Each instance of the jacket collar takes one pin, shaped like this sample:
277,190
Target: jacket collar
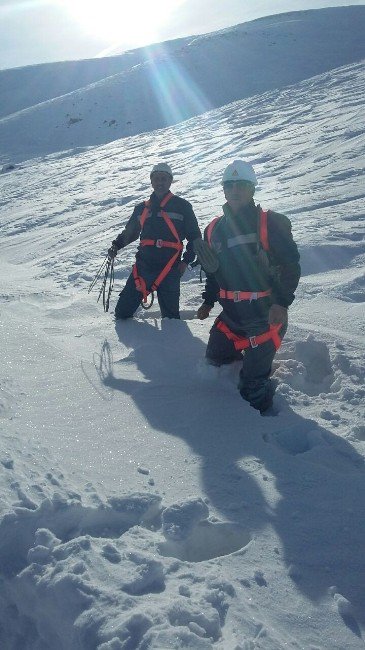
248,211
155,201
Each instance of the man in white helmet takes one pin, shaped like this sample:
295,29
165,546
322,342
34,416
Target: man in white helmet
162,223
253,275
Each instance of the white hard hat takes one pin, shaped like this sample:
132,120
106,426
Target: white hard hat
240,170
162,167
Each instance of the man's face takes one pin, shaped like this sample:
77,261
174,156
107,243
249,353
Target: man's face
238,194
161,183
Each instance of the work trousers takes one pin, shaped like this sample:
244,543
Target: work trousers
168,294
255,385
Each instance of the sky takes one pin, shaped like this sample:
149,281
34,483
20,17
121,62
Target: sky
143,504
39,31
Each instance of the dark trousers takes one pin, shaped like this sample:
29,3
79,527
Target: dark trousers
168,294
255,385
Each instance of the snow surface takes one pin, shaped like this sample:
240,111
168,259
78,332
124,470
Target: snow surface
51,107
143,504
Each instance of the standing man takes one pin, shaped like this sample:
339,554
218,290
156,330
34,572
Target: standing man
162,223
254,278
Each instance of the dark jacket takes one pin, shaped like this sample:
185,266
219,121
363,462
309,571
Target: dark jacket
244,266
182,216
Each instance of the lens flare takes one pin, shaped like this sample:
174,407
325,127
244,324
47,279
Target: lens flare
178,96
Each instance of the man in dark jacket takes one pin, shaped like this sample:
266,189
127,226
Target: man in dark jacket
162,223
256,274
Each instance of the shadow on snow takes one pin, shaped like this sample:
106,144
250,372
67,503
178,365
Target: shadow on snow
319,514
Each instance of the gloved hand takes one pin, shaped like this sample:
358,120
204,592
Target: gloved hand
278,314
112,252
182,268
206,256
203,311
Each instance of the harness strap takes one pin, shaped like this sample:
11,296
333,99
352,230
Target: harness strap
145,213
237,296
147,205
262,229
159,243
242,342
264,238
210,229
140,283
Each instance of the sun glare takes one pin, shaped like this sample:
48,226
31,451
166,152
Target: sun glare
125,21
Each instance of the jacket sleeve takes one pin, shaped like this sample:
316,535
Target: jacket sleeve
192,231
131,231
284,256
211,291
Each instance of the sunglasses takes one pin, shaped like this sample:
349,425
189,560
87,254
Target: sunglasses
242,185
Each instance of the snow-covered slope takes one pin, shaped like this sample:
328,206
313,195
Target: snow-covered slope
184,79
143,504
30,85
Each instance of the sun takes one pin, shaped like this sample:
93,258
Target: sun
125,21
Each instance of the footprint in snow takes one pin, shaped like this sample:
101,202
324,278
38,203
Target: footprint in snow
345,610
191,537
330,450
293,440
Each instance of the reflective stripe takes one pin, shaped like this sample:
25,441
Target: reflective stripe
242,239
175,216
263,232
147,204
262,235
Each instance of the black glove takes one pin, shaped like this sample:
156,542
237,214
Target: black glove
112,252
203,311
278,314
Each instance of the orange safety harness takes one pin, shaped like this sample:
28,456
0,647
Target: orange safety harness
241,342
237,296
159,243
263,236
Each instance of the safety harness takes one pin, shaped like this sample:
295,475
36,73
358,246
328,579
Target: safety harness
237,296
241,342
159,243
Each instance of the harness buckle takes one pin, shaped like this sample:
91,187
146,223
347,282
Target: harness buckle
254,296
236,296
253,342
158,243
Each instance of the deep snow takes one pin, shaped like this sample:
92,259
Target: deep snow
143,503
